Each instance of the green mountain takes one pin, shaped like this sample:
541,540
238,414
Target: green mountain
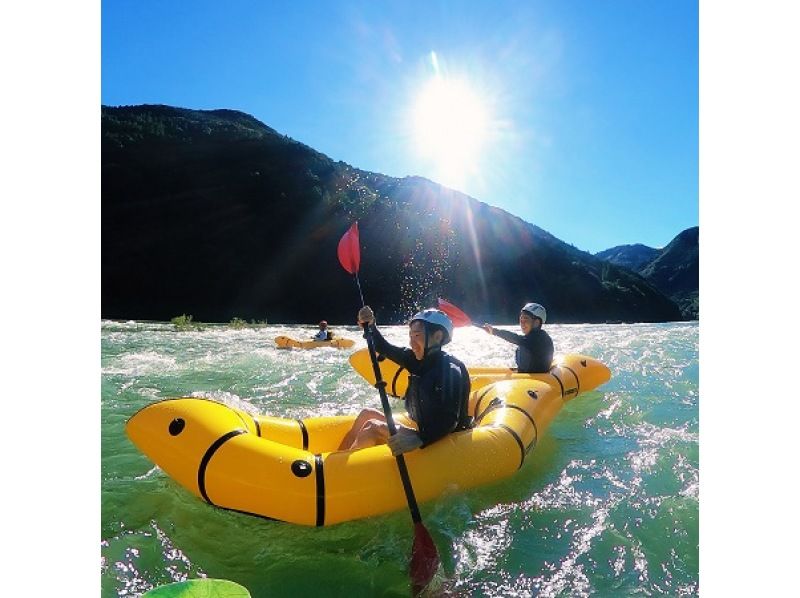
674,270
214,214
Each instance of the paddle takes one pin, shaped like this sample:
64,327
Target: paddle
424,557
458,317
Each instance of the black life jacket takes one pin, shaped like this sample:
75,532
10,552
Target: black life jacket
438,396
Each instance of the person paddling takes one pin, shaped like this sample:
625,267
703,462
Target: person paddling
323,334
534,353
438,389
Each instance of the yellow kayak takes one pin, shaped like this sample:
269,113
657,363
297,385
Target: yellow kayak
286,342
291,470
563,373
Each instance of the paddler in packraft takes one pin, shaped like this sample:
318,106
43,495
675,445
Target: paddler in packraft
324,334
438,388
534,347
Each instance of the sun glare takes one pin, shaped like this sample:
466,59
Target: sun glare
450,129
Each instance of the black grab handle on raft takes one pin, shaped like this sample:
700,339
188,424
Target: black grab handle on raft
387,412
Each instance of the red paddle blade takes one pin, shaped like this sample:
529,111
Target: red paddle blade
424,559
349,251
458,317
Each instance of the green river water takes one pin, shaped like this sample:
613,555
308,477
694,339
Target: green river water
606,505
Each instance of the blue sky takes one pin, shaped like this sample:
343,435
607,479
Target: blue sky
588,110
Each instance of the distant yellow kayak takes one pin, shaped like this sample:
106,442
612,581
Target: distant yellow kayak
286,342
291,469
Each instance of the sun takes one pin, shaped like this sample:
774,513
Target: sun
450,128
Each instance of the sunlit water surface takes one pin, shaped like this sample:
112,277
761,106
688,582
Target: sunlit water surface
607,503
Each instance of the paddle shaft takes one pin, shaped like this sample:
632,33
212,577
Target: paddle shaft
380,384
424,557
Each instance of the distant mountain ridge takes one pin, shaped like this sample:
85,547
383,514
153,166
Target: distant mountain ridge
633,257
674,270
214,214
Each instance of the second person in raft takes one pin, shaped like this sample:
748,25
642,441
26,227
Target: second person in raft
534,347
438,387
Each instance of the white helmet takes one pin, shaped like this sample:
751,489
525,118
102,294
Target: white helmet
536,311
438,318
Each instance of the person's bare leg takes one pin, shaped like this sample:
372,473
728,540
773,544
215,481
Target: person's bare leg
363,417
373,433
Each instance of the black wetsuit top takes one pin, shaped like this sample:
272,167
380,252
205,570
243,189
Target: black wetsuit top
534,350
438,389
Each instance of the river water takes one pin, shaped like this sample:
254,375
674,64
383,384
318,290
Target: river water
607,503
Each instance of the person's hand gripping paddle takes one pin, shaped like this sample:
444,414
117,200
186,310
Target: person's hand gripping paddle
424,556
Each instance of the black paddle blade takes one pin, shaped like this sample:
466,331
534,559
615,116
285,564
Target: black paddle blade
424,559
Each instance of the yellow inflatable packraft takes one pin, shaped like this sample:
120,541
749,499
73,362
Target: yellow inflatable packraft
563,371
291,470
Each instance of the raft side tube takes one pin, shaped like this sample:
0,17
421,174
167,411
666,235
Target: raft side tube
366,483
526,406
282,430
325,434
254,475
